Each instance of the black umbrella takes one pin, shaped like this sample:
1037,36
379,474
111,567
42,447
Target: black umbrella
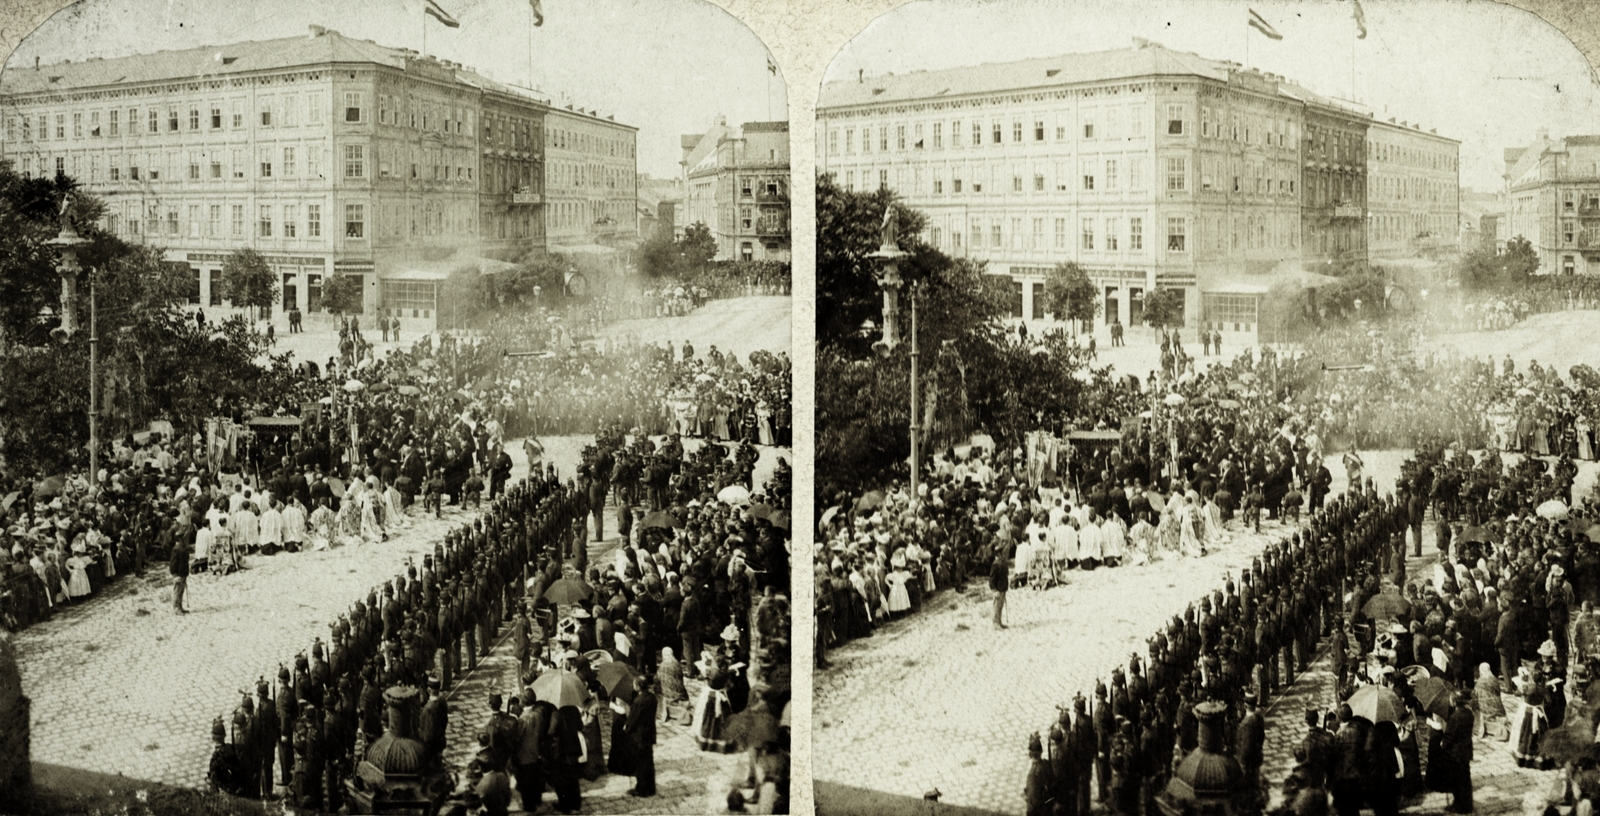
569,591
869,502
761,511
1479,534
752,728
662,519
617,679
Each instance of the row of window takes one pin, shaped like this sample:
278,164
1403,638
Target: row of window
582,174
298,161
1100,123
1587,200
563,139
215,115
1383,152
229,221
1404,188
1095,234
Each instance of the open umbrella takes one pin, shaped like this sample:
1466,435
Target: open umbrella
662,519
870,502
1376,704
409,390
1386,605
827,516
426,364
10,499
1157,503
598,658
779,519
355,386
617,679
1479,534
1552,509
1247,377
761,511
1174,399
336,485
752,728
560,688
1434,696
734,494
379,387
1229,404
1573,741
50,487
568,591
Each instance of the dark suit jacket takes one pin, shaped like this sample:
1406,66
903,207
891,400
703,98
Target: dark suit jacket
641,722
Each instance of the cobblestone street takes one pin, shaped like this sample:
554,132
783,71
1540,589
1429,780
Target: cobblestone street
944,700
124,658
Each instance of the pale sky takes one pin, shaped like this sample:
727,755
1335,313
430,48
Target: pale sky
665,66
1486,74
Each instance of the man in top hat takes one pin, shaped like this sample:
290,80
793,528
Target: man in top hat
1252,739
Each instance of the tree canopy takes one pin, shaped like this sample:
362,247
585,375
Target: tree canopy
1163,308
248,281
1503,271
341,294
1070,294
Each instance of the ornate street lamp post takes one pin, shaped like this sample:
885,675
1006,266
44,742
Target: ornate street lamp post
888,257
67,243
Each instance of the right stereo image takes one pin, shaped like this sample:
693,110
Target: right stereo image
1205,411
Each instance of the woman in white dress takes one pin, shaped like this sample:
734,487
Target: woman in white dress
78,585
899,598
1189,528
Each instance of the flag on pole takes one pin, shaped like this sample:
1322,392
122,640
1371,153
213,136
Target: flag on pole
772,67
1257,22
437,12
538,11
1361,20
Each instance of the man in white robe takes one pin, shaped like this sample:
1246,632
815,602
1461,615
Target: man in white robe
246,529
294,525
1090,542
271,534
1113,541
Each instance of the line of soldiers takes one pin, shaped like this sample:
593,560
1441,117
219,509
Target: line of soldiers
429,622
1243,644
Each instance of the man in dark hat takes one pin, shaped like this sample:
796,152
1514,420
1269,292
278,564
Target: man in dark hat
502,730
223,773
434,724
1252,740
308,757
1105,730
529,761
1063,782
267,733
1081,749
285,718
1036,792
245,744
640,730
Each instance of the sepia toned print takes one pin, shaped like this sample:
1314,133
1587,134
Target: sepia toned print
398,410
1205,410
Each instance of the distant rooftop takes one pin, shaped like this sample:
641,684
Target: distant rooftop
320,46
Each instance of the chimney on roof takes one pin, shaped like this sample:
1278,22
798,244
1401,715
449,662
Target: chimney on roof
861,75
1544,134
1140,42
35,62
317,31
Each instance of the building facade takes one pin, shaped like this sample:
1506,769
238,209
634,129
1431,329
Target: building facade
737,184
1554,191
327,154
593,171
1413,191
1146,166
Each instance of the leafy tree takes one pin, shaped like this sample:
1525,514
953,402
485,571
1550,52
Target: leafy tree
659,258
1504,271
1163,307
953,301
1069,293
248,281
697,246
342,294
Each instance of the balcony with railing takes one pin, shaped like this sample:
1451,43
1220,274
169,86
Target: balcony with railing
772,226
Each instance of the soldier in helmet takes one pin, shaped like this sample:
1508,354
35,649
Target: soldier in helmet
308,757
1104,732
1081,747
223,773
1124,771
333,757
1039,784
285,719
245,742
434,723
267,735
1064,785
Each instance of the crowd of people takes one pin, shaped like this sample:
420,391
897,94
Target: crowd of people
520,566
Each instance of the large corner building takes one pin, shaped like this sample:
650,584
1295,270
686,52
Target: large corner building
329,155
1553,187
736,182
1148,167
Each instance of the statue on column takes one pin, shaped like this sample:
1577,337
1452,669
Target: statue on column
890,232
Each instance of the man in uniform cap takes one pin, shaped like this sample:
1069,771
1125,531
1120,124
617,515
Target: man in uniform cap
1063,784
1036,792
268,733
285,719
1105,732
245,743
1252,741
434,723
1081,748
308,758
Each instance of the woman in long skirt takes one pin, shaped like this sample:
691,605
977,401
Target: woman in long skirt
1530,724
1491,710
711,710
595,767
